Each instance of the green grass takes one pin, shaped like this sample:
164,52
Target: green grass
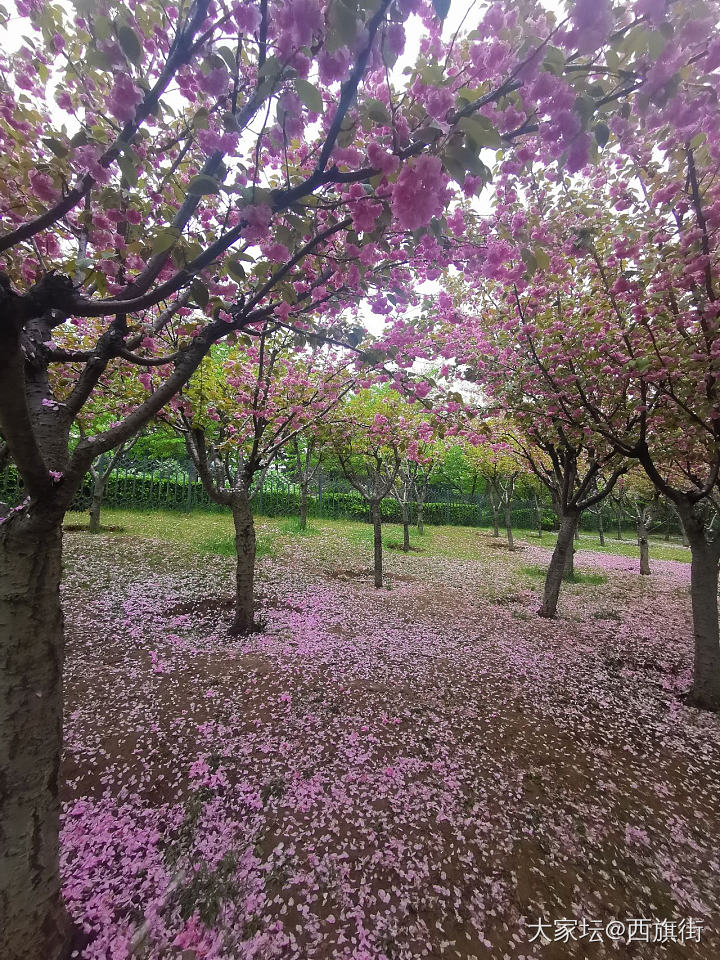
539,573
224,546
291,526
212,532
660,549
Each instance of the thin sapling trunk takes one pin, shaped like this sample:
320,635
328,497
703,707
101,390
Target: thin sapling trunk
377,543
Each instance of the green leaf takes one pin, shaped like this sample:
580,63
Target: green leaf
58,148
584,107
200,293
602,133
309,95
343,27
200,119
482,134
656,43
347,133
542,258
229,58
235,269
470,93
377,111
554,61
467,159
202,184
529,260
271,68
442,8
130,44
96,58
433,75
426,135
165,239
128,169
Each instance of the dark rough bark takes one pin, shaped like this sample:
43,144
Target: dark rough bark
303,506
420,518
377,543
704,598
562,554
643,543
601,529
245,548
98,495
508,527
33,921
569,572
406,527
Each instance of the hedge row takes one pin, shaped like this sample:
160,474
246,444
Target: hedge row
136,491
145,491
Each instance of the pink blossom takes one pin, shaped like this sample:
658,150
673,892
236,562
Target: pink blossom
124,98
419,192
43,186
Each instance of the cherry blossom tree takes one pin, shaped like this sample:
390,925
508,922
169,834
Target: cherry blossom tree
608,278
304,460
369,451
237,413
100,471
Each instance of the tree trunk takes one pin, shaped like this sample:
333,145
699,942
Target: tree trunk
98,495
33,921
668,525
683,532
569,573
303,506
508,527
538,517
245,547
642,535
420,524
704,597
377,543
619,527
601,529
496,520
557,571
406,527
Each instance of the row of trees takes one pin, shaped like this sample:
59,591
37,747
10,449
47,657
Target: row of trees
276,403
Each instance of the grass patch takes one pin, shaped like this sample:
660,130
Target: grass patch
292,527
224,546
392,544
539,573
200,530
592,578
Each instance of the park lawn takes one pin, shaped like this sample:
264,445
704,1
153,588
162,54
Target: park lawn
212,532
422,771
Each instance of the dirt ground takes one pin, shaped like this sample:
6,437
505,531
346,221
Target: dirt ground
425,771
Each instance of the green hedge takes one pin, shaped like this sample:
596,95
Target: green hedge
146,491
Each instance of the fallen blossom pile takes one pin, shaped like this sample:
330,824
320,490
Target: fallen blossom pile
419,772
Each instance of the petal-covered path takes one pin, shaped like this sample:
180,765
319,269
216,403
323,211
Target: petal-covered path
422,772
